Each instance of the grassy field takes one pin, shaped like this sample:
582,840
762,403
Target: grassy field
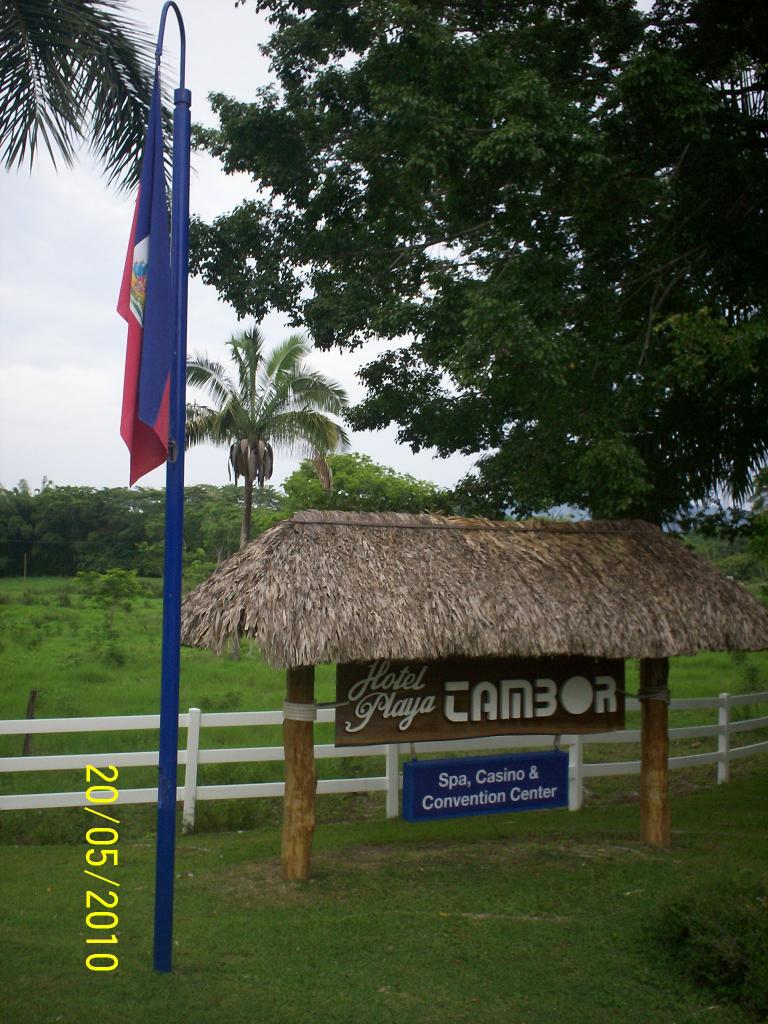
53,639
514,919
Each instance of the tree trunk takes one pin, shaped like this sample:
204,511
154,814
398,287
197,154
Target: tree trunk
654,753
300,779
245,526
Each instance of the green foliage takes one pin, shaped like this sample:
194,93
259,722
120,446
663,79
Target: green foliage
110,590
561,205
750,676
212,518
229,701
760,491
718,934
70,71
65,530
738,552
739,566
758,543
112,651
197,567
360,485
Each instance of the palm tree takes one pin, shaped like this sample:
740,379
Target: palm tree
71,70
276,399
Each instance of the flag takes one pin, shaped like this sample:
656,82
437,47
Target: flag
146,303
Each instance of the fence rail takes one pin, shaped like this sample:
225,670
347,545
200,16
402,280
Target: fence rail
191,756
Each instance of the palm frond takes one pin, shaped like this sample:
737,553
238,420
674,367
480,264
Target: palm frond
200,420
246,349
116,87
72,70
203,424
294,385
218,426
37,97
212,377
287,354
307,432
279,363
307,387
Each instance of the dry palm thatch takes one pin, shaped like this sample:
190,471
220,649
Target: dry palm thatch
338,587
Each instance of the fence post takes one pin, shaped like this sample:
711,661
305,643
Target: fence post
393,780
190,771
575,773
724,738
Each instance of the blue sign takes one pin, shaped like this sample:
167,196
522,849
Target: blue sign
460,787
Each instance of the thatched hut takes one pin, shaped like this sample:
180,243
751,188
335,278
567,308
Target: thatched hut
350,587
327,587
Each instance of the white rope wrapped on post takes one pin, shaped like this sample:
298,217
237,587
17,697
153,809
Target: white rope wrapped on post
299,712
308,712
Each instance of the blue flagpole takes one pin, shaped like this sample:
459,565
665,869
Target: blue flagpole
174,520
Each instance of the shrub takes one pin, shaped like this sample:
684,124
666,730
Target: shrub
197,567
26,635
110,590
152,588
230,701
113,653
718,934
750,679
741,566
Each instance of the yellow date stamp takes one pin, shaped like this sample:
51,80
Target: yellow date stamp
101,839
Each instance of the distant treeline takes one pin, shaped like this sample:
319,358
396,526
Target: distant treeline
59,531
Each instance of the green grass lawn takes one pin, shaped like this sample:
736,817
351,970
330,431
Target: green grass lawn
521,918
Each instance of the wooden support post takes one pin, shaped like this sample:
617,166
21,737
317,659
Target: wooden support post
300,779
724,738
26,750
654,752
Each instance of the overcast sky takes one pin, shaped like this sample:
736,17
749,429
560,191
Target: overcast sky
62,249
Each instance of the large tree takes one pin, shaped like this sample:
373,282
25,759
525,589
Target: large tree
274,398
560,204
362,485
69,71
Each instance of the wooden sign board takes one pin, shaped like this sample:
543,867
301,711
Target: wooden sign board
408,702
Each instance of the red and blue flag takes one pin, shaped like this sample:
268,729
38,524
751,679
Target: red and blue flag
146,303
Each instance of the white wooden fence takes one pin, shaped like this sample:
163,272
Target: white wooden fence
389,783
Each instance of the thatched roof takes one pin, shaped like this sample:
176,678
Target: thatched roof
339,586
